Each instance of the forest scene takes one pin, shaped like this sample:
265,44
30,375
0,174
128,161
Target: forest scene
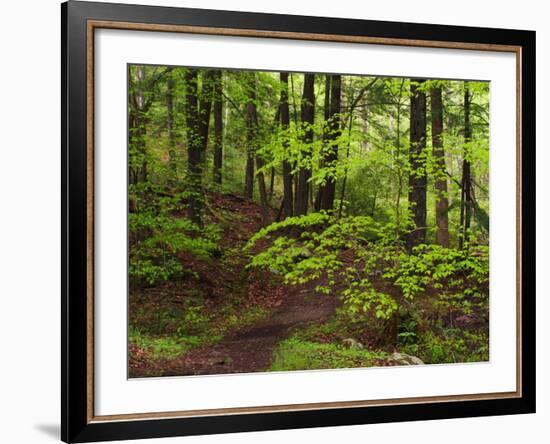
285,221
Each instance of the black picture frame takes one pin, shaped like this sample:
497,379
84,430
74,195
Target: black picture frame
76,423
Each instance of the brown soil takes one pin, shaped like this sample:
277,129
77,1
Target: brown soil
251,349
248,349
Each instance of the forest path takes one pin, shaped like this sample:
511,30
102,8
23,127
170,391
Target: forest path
250,349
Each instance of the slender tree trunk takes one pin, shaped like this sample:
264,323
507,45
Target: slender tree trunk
197,122
263,191
249,176
293,95
218,128
205,108
398,161
466,201
417,174
288,201
329,189
271,184
170,123
136,135
304,172
140,74
194,167
326,115
249,168
345,179
440,184
273,172
137,121
252,141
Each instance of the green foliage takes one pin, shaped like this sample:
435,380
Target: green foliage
163,347
450,346
157,235
296,354
460,278
316,252
414,298
165,331
347,256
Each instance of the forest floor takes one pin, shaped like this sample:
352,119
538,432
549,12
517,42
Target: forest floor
221,317
242,315
250,349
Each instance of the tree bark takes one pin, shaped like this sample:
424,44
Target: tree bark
326,116
218,128
466,203
249,168
252,142
440,183
417,161
271,184
288,201
263,191
170,123
249,176
398,161
304,171
331,157
138,123
197,122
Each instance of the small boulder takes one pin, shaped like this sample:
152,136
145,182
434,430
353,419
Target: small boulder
405,359
352,343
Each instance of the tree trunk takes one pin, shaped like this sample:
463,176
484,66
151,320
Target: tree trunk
252,142
249,168
331,156
218,129
263,192
304,172
417,174
249,176
440,184
197,122
326,116
466,203
345,178
137,122
170,123
288,201
136,136
271,184
194,167
398,162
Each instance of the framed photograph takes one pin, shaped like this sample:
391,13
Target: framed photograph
276,221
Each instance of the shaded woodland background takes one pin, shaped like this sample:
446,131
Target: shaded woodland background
288,221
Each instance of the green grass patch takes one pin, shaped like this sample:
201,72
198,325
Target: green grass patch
169,346
249,316
453,345
297,354
194,330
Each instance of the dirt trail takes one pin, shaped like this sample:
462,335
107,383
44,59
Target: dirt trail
251,349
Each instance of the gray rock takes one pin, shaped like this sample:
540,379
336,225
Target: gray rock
405,359
352,343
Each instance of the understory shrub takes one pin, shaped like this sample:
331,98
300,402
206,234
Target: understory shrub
157,235
364,264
